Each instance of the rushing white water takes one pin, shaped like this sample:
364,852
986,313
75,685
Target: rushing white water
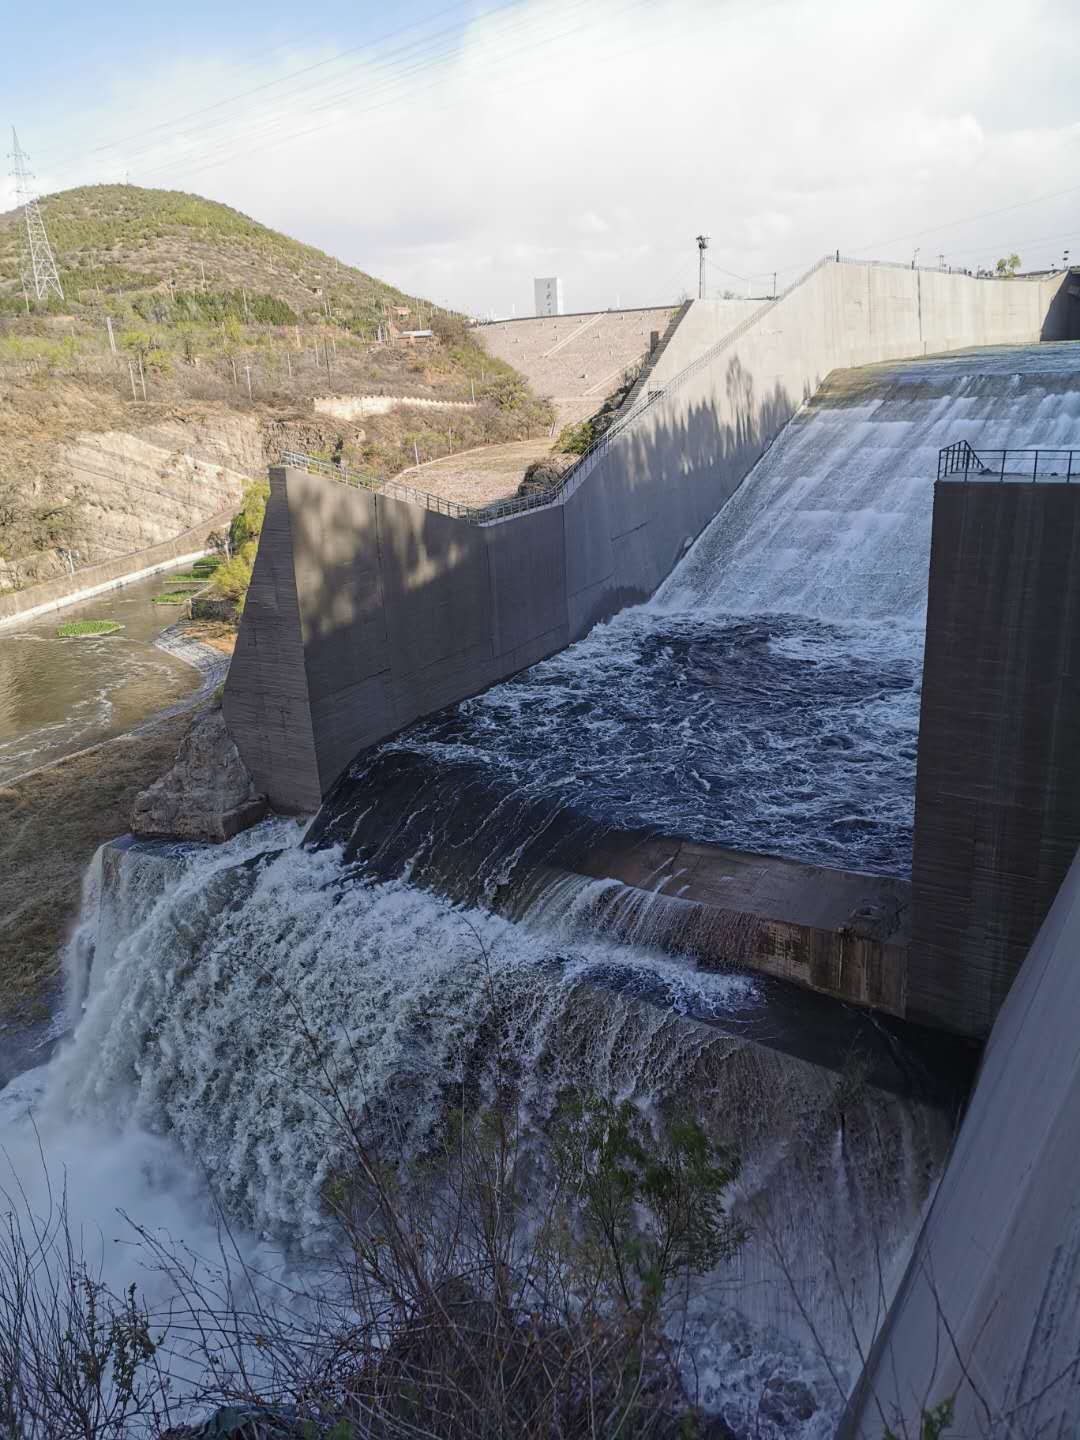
834,522
231,986
767,696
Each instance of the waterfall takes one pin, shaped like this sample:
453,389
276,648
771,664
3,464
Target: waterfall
212,969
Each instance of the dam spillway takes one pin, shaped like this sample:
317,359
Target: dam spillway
186,958
767,698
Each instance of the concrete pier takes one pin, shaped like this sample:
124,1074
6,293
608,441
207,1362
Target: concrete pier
997,812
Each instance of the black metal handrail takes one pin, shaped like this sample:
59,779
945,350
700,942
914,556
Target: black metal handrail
1045,462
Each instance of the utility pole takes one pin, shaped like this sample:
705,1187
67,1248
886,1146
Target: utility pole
39,267
247,372
702,245
112,337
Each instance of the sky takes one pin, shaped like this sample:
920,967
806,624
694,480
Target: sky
459,150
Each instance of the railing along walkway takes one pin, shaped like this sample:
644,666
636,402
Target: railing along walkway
962,461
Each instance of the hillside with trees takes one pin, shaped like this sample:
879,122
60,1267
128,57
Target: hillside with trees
191,342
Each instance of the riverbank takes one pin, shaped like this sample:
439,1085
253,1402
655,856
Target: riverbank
54,817
51,822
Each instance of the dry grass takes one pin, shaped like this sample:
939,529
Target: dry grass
480,477
220,635
51,822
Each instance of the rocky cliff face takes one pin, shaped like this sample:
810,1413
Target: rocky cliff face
207,795
131,489
85,486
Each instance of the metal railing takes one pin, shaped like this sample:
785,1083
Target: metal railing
1045,463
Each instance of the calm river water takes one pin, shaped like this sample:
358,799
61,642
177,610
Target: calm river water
59,695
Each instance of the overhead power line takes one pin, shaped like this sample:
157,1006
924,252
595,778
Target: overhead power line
393,90
279,81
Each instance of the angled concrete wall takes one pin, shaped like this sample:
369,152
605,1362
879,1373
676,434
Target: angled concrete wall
997,809
366,613
990,1307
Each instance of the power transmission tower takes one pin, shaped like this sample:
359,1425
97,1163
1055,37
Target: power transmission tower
39,267
702,245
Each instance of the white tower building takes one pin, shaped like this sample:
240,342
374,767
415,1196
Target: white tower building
548,295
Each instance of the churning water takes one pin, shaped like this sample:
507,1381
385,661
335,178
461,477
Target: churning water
767,698
204,974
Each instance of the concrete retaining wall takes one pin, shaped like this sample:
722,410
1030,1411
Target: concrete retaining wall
366,612
353,407
997,813
990,1306
22,605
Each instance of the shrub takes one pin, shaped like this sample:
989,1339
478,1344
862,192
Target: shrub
232,578
248,522
451,329
575,439
138,341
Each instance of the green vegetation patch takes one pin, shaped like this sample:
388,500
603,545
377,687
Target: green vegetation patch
172,597
199,575
88,627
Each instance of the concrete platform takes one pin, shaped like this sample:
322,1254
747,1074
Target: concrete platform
833,931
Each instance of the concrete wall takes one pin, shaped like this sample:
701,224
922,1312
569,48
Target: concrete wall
990,1306
997,813
366,613
355,407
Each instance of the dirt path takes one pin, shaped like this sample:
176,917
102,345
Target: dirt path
478,477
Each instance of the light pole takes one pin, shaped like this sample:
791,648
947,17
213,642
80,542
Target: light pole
702,245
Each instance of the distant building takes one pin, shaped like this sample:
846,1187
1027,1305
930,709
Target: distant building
548,293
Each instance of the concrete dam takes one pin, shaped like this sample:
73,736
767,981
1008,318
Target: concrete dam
666,788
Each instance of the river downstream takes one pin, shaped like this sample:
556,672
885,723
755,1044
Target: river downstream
58,695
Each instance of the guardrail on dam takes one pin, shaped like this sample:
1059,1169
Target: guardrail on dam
366,612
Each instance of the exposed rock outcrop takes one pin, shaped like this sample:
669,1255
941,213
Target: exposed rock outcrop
546,473
207,795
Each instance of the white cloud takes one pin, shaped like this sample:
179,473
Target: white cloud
783,128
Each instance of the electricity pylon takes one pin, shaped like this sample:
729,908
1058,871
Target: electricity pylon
39,268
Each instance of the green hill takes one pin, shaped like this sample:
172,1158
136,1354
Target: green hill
223,335
163,255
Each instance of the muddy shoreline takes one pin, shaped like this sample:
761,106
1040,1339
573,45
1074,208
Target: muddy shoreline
53,818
